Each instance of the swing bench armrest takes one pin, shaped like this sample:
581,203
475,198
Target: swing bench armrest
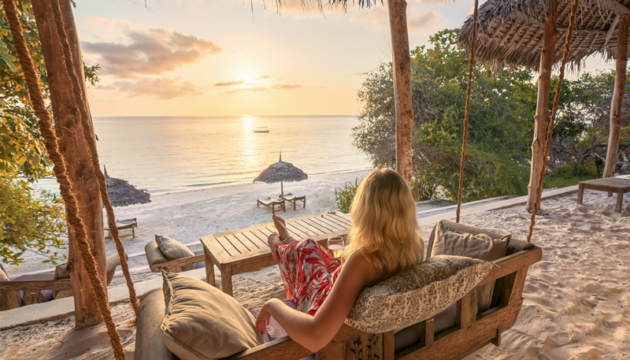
512,263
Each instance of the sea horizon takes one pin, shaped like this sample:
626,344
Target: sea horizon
178,153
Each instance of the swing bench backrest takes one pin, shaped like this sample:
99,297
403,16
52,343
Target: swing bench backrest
471,331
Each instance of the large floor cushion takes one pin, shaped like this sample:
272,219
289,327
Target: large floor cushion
451,240
412,296
202,322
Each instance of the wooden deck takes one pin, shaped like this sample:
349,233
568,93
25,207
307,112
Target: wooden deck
246,249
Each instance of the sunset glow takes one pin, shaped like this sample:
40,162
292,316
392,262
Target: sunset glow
204,58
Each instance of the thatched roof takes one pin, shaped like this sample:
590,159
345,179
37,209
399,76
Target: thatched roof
121,193
511,31
281,171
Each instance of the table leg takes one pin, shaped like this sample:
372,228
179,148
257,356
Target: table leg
580,194
619,202
610,194
226,280
209,267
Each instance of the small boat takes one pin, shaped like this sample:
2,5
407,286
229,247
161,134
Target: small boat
261,129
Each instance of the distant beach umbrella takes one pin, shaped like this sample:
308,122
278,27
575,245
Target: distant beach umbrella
121,193
281,172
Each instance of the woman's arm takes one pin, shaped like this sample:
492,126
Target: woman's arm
315,332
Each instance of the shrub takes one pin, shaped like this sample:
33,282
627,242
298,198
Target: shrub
344,195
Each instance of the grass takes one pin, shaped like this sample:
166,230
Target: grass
570,174
345,194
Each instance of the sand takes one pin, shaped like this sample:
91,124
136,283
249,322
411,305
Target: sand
576,300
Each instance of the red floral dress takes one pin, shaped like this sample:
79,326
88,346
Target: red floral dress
308,271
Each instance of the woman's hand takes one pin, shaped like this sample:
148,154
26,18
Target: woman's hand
263,318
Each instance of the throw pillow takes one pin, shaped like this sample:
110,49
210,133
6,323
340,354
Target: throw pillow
174,250
415,295
202,322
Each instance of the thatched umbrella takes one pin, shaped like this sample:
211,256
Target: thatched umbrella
281,172
121,193
511,31
529,33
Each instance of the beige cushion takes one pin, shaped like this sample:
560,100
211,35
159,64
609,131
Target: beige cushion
415,295
478,246
173,250
202,322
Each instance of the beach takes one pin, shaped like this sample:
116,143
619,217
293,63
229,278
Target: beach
576,300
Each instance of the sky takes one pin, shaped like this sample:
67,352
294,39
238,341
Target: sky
237,57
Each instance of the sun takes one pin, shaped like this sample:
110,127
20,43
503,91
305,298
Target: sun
249,79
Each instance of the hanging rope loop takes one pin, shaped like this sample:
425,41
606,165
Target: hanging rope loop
554,110
471,64
59,168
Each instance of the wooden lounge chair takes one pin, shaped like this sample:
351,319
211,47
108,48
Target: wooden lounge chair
125,224
471,331
270,203
293,199
38,288
158,262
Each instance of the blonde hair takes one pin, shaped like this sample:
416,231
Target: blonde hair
384,225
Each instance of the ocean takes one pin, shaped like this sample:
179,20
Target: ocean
165,154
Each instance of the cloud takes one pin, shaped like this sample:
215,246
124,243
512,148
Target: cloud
255,88
162,88
424,21
231,83
286,86
143,50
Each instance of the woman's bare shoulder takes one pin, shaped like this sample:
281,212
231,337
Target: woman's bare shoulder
359,262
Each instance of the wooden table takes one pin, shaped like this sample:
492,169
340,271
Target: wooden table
247,250
611,185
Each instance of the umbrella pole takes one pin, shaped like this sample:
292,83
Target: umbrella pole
281,190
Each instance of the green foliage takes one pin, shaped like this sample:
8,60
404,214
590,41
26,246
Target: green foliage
570,174
344,195
29,221
21,146
500,132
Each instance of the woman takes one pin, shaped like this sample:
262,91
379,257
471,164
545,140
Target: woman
383,241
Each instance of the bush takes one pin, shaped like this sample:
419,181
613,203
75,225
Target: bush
344,195
570,174
29,221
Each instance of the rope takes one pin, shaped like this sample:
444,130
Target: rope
554,110
59,168
471,63
89,139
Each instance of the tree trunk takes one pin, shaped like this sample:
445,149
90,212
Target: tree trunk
402,87
617,99
75,152
550,38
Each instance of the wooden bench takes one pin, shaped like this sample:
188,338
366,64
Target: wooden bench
244,250
610,185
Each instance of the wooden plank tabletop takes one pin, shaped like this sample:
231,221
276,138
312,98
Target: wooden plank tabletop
251,242
613,183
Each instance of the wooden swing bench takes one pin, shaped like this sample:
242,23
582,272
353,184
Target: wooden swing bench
471,331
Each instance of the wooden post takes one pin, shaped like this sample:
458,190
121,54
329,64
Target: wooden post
75,152
550,38
402,86
617,99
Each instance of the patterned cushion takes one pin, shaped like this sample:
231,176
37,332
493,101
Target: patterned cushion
416,294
